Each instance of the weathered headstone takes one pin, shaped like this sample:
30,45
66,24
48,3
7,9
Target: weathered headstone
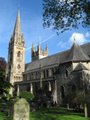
21,110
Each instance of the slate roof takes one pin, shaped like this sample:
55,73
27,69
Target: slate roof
76,53
80,67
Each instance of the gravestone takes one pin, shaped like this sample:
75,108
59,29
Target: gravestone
21,110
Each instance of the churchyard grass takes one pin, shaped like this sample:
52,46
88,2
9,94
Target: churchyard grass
57,114
52,114
4,117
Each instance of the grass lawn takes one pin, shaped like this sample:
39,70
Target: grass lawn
4,117
52,114
56,114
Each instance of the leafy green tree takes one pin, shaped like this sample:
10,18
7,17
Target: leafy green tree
66,14
27,95
4,86
82,98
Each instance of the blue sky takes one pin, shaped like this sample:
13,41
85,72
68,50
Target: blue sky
32,29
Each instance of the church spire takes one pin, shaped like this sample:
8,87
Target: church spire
17,28
17,36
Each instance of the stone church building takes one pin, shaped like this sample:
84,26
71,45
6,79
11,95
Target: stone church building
58,74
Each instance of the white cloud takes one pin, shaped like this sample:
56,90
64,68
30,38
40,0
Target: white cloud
79,37
64,44
87,34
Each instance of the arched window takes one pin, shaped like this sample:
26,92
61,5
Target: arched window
62,92
18,54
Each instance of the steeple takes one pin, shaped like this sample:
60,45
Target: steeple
17,28
17,36
16,65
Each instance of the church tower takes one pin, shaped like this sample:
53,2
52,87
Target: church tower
16,50
39,53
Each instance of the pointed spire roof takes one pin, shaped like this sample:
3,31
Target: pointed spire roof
76,54
17,35
17,28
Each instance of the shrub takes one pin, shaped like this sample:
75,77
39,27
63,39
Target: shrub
27,95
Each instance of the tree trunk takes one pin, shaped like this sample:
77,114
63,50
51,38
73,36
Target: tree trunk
68,106
85,110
